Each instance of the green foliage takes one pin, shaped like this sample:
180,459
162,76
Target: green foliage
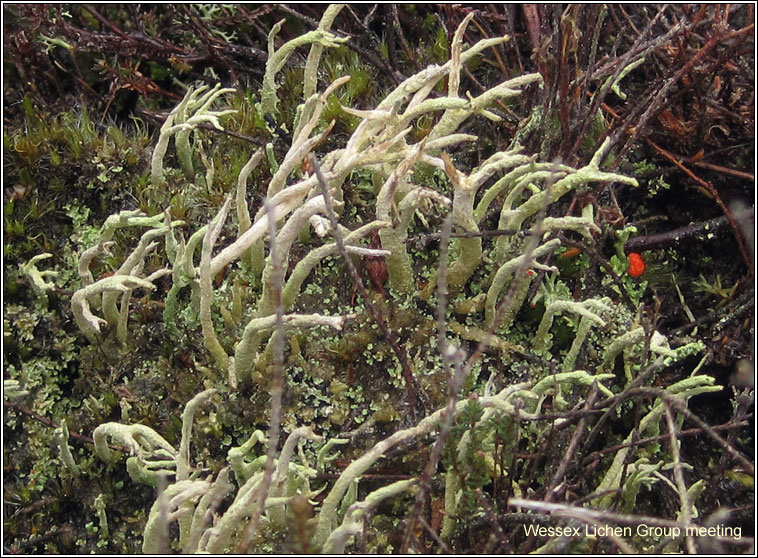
722,294
470,464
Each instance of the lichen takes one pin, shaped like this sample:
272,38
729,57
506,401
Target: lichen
204,325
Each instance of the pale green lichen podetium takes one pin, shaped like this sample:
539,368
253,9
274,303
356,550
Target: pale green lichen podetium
353,523
195,109
683,390
37,278
278,58
166,508
206,288
585,309
243,213
310,74
61,438
513,219
90,324
401,277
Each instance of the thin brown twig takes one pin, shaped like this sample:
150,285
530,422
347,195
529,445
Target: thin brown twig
454,374
662,240
205,36
443,547
732,310
714,193
706,428
725,170
570,452
415,395
110,25
403,41
499,60
489,514
643,441
52,424
277,386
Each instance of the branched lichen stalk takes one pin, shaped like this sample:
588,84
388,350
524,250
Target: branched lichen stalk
278,58
310,74
183,274
283,203
139,439
206,289
129,267
622,342
85,319
454,117
506,271
236,456
205,510
234,517
582,331
309,113
37,277
188,416
585,175
294,157
456,47
353,522
198,102
542,340
312,259
244,354
168,508
514,182
85,260
282,474
433,73
298,221
128,218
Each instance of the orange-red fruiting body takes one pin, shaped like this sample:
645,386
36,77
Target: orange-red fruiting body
570,253
636,264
